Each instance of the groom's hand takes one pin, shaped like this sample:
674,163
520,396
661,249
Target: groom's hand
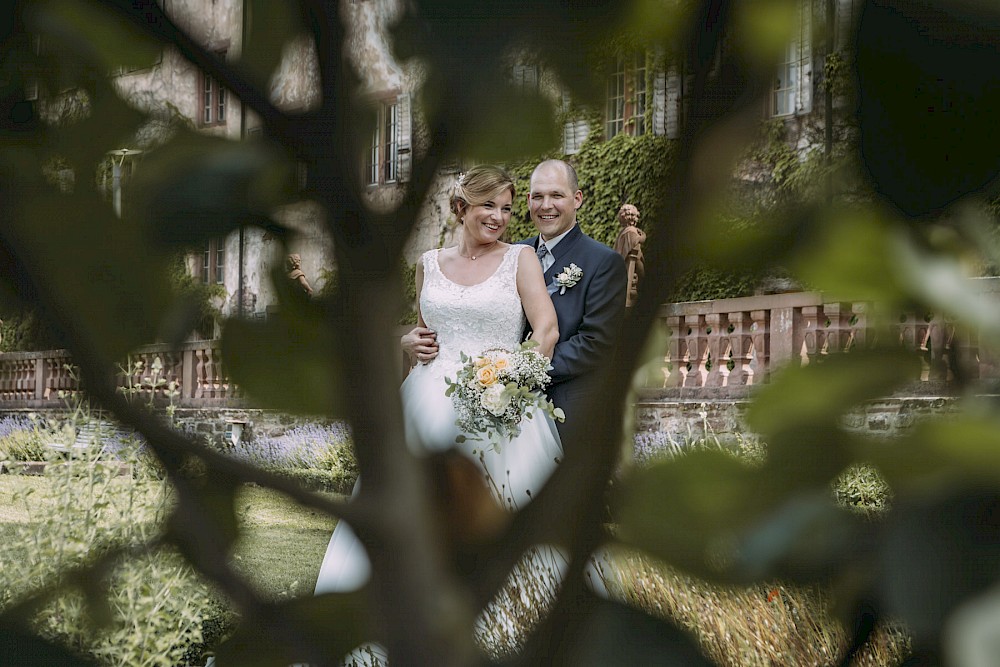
420,344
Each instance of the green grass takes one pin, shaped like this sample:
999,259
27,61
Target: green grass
281,543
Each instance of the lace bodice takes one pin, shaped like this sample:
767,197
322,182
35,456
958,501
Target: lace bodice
471,318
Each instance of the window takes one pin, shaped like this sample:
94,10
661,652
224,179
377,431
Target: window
626,96
383,156
213,262
791,92
30,80
213,99
525,78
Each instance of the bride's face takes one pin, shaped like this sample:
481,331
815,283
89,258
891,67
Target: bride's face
485,223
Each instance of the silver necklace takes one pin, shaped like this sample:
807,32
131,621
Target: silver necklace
488,248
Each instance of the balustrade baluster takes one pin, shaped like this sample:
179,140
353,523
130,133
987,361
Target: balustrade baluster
810,335
697,351
859,326
672,376
740,332
759,352
714,338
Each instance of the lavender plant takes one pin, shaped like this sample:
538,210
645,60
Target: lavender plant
314,452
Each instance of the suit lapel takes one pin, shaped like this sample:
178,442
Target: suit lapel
562,252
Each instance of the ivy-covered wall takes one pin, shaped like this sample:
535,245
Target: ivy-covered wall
625,169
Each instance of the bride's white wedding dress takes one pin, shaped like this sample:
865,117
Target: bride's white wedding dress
469,319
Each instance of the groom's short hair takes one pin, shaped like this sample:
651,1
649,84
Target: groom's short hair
571,177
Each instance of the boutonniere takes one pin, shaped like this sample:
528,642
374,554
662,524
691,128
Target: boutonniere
570,276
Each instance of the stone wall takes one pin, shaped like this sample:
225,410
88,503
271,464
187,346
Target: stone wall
684,420
213,425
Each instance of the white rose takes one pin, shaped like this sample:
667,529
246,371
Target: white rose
494,399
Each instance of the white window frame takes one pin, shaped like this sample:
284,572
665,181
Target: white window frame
791,93
626,96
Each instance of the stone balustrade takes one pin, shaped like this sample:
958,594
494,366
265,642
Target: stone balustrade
189,375
715,350
725,344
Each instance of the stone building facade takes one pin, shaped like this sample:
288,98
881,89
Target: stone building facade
642,96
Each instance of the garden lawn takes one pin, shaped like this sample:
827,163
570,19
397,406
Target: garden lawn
281,543
280,548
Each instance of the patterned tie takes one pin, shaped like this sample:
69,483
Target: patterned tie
543,254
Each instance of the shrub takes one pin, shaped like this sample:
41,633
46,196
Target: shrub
320,455
154,605
23,439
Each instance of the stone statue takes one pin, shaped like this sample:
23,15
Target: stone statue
629,246
297,275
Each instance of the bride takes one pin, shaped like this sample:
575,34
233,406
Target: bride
476,295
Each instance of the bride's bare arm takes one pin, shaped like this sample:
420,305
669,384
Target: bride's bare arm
536,302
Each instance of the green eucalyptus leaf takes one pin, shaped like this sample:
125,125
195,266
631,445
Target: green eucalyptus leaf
199,187
103,290
941,454
270,27
766,28
806,539
90,29
927,100
935,554
504,136
25,650
611,633
800,398
333,623
852,255
690,511
216,498
940,281
286,363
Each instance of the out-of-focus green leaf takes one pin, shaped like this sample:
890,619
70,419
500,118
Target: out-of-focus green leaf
939,280
522,126
942,454
656,21
852,256
805,539
936,554
616,634
92,268
766,28
108,124
287,363
334,624
690,511
817,395
216,497
24,650
270,26
88,29
199,187
927,100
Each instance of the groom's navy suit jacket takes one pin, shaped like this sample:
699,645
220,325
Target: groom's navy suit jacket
589,315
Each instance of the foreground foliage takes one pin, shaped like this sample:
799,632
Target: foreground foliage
708,514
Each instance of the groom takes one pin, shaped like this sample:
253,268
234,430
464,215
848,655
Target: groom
586,280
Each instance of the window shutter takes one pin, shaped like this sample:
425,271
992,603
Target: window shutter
405,139
805,57
659,102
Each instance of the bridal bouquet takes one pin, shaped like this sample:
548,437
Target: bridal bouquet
495,390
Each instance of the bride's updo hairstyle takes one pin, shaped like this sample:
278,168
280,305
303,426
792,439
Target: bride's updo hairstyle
479,185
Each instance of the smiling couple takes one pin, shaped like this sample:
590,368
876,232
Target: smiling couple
564,289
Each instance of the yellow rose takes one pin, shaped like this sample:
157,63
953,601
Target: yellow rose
482,361
486,375
501,363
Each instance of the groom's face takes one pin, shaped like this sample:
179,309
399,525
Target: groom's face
551,202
